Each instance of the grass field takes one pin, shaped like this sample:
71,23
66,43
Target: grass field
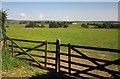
107,38
80,36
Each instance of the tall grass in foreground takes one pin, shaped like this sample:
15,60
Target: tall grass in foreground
9,62
13,67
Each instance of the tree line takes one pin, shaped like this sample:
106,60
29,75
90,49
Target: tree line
58,25
106,25
33,24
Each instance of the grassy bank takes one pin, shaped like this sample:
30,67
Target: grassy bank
13,67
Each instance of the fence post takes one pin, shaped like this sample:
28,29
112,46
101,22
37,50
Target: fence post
57,56
46,54
12,48
69,58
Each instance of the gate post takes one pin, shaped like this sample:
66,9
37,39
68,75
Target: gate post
57,67
46,54
69,58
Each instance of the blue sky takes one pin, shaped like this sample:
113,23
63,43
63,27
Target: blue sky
59,0
79,11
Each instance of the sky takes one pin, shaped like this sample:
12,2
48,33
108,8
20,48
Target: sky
62,11
60,0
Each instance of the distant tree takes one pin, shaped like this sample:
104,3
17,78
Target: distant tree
42,26
117,25
32,25
53,25
7,26
84,25
107,25
58,25
70,22
23,22
65,25
88,23
97,25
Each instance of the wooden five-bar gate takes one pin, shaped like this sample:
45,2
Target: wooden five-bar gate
83,66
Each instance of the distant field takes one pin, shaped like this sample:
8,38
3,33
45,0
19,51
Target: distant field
16,25
89,37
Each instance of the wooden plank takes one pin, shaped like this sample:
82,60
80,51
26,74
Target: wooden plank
32,41
43,50
64,45
52,58
46,54
35,47
76,46
96,48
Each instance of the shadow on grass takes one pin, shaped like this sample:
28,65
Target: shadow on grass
51,75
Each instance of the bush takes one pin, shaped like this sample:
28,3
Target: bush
42,26
65,26
58,25
116,26
84,25
53,25
32,24
107,25
23,22
7,26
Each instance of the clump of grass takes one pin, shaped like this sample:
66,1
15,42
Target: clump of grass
9,62
14,67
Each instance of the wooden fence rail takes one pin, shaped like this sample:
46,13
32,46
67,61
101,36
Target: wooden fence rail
58,59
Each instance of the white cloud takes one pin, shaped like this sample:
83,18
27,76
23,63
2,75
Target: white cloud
24,15
40,16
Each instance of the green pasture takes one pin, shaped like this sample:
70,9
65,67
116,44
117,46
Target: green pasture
106,38
88,37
